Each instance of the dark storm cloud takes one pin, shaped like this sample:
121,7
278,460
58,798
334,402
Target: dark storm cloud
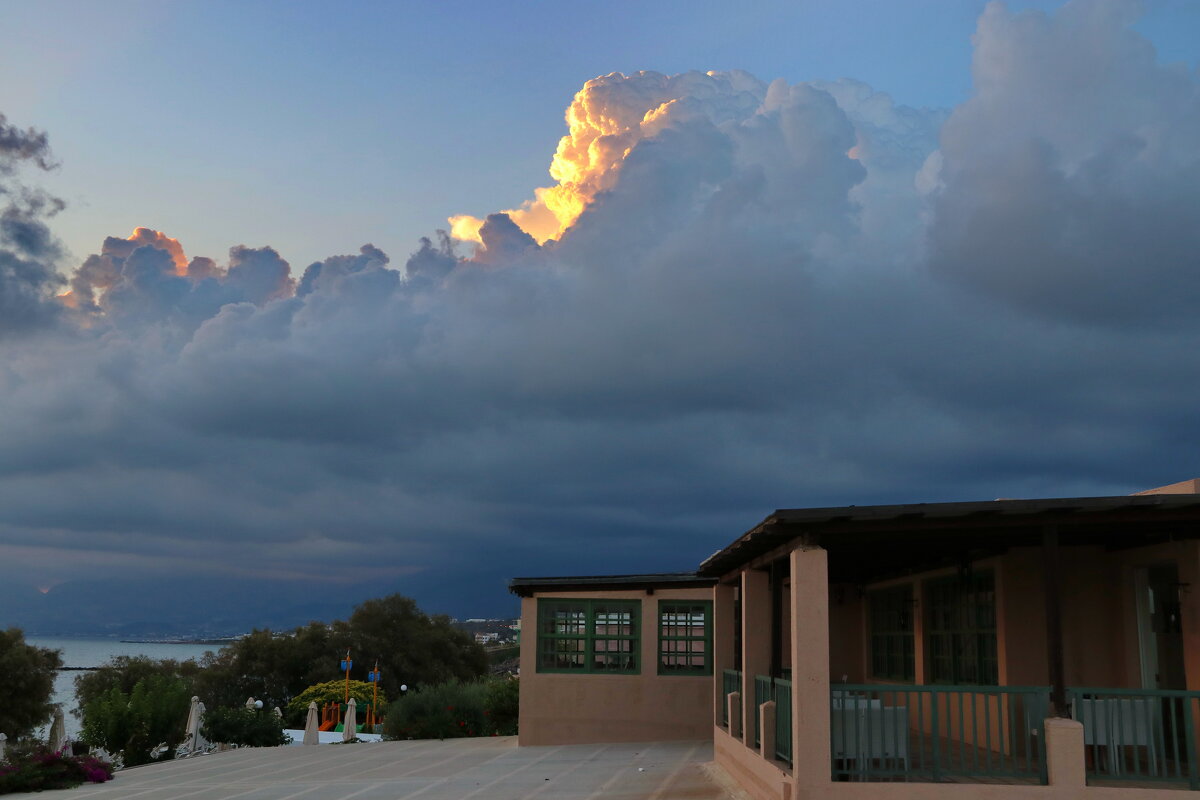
779,295
17,145
27,248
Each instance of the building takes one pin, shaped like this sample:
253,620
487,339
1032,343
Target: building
616,658
1016,648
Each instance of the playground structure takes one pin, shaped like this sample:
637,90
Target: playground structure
333,714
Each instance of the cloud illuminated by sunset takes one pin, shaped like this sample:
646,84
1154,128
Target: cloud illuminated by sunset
604,123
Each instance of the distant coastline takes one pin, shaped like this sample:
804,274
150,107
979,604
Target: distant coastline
221,641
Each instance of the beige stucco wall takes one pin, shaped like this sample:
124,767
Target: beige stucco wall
579,709
1099,622
1097,586
847,650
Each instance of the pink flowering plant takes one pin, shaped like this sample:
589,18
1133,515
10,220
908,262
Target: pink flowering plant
35,768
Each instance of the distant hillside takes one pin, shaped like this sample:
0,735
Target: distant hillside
199,608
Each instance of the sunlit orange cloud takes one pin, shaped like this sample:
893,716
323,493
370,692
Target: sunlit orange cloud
587,162
144,236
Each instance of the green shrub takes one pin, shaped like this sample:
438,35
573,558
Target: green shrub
124,672
446,711
246,727
35,768
332,692
501,706
135,723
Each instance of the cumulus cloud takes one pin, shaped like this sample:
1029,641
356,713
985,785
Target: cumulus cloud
1070,181
737,295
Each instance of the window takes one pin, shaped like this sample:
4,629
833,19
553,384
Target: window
685,637
588,636
961,629
891,620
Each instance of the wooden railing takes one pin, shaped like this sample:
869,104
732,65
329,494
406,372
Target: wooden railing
1138,734
731,681
935,733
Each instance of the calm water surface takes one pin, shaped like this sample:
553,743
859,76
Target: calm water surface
83,652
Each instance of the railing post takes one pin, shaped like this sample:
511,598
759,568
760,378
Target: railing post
733,703
1065,761
766,721
935,737
1189,724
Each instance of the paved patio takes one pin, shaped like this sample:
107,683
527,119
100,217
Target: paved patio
456,769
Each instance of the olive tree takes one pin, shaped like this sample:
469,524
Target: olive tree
28,683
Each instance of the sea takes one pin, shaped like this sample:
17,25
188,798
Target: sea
93,652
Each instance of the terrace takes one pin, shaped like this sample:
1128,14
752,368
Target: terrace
1031,644
455,769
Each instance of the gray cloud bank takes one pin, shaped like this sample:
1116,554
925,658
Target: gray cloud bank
787,295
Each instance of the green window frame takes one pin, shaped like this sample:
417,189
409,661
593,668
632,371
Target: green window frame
960,629
588,636
685,637
892,635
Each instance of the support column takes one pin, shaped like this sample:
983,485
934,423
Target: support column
1189,607
722,646
756,644
810,667
1054,643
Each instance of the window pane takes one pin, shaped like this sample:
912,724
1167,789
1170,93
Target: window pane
588,635
890,614
961,638
685,642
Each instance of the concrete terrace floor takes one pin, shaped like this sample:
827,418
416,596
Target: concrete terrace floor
455,769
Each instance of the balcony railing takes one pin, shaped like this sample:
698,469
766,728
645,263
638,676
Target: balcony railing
783,720
731,681
778,690
936,733
1138,734
762,693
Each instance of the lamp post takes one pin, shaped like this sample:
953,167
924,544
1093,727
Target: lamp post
374,676
346,665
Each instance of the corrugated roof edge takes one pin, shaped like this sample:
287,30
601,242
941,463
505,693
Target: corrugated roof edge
719,561
524,587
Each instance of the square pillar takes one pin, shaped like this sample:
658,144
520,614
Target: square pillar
766,721
733,702
1065,764
756,644
722,645
810,667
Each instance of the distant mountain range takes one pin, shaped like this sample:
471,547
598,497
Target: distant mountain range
203,607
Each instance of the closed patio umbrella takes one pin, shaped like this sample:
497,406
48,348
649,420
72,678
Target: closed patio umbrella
192,730
350,724
201,742
311,726
58,731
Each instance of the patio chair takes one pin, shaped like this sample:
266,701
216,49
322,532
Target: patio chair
1114,723
864,734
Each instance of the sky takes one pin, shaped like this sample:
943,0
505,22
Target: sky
420,297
